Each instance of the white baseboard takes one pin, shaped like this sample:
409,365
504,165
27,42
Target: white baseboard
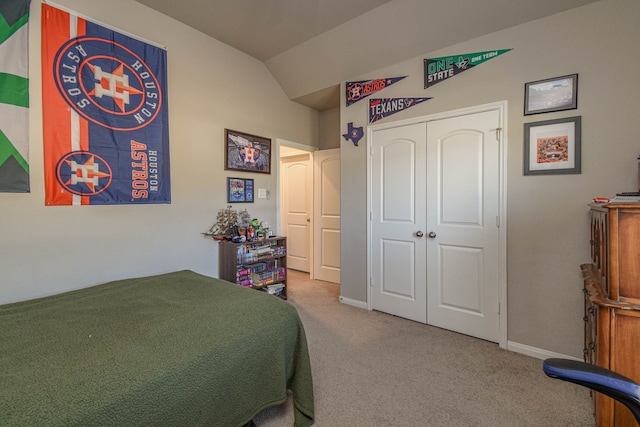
538,353
353,302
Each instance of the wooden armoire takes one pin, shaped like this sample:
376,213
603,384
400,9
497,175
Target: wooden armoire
612,301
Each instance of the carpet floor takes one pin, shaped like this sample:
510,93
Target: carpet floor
374,369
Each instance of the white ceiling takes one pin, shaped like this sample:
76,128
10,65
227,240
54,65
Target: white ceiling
311,46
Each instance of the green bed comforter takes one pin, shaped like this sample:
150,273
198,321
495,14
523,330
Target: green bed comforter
178,349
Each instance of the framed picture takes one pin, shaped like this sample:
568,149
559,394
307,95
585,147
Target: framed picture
556,94
239,190
246,152
552,147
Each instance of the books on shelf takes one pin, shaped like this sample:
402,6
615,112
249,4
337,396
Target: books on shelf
249,252
275,289
268,277
259,264
630,197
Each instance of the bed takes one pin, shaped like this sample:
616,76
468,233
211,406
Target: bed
168,350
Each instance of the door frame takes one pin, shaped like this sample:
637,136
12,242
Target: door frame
501,107
302,147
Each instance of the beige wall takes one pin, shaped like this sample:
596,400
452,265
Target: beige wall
44,250
547,215
329,129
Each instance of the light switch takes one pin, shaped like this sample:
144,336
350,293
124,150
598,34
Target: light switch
262,193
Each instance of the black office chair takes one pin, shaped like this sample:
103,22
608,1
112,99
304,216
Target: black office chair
602,380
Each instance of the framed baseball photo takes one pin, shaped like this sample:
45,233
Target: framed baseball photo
239,190
552,147
246,152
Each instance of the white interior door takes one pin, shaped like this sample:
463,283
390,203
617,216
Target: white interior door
463,188
398,219
326,215
297,188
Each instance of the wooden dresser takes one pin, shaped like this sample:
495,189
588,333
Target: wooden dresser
612,301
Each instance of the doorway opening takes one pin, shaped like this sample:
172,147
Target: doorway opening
309,209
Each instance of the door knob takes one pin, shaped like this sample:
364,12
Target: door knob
432,235
419,233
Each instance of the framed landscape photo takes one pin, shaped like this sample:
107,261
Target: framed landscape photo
552,147
555,94
239,190
246,152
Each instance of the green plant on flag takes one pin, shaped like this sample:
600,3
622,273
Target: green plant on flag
14,96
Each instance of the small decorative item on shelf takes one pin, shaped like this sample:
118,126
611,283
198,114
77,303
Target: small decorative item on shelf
256,230
266,228
238,227
244,219
226,224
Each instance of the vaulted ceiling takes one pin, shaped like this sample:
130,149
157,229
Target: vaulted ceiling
311,46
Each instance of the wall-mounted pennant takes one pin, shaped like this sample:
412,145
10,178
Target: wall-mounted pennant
363,88
440,69
384,107
354,134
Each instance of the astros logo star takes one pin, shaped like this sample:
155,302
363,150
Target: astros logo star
114,84
87,173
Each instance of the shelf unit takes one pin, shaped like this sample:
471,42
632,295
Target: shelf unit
259,264
612,301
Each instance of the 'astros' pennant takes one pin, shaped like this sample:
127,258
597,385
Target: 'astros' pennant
440,69
105,117
384,107
363,88
14,96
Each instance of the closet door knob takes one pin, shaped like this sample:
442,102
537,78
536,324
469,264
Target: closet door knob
419,233
432,235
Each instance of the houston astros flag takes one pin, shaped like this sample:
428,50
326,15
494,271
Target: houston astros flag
14,96
105,116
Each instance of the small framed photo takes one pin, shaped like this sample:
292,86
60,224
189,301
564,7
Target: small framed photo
239,190
246,152
555,94
552,147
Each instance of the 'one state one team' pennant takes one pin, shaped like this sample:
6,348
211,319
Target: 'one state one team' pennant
440,69
363,88
384,107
